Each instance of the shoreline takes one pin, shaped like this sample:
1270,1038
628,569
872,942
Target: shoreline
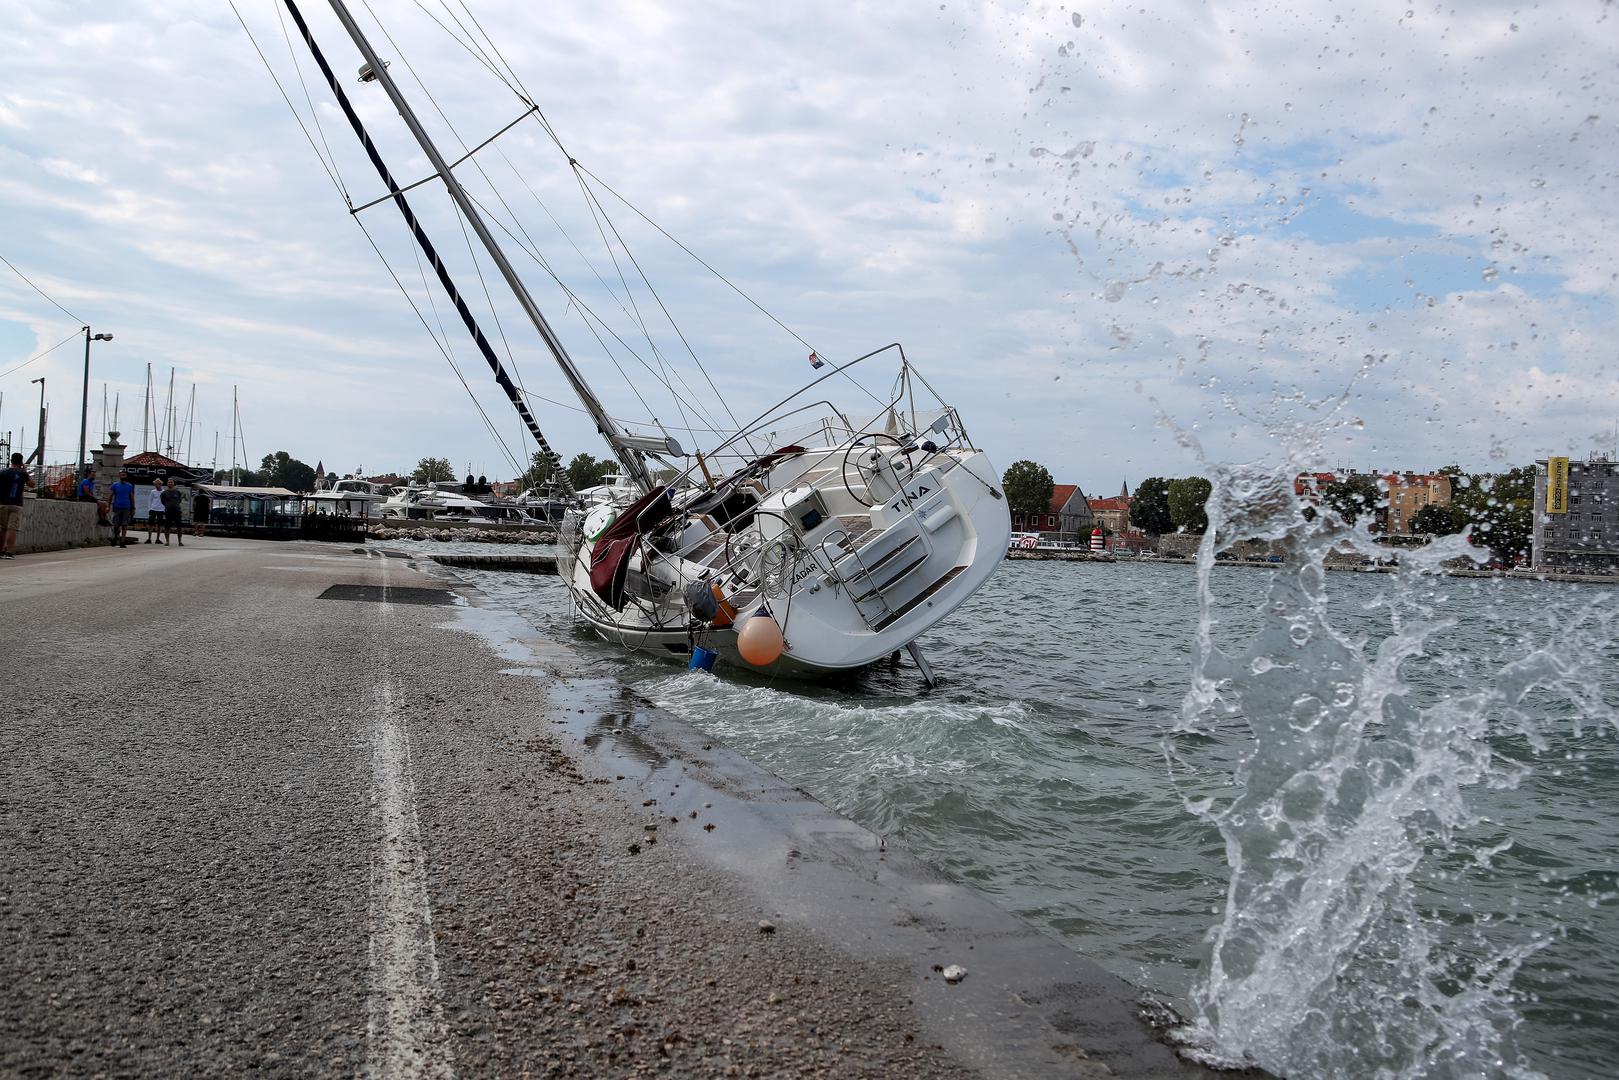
1341,567
1029,1006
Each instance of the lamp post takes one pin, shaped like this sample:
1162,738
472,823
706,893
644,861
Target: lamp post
84,409
40,468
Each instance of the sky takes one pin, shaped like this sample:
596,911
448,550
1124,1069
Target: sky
1106,233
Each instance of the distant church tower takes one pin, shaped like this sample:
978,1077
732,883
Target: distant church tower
1124,490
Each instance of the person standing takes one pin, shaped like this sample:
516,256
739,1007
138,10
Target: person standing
123,509
154,510
13,482
171,513
200,505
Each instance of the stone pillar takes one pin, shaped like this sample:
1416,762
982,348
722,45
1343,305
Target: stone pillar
107,461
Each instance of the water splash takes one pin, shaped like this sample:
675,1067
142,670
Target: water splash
1351,801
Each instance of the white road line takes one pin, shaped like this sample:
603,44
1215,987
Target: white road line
406,1037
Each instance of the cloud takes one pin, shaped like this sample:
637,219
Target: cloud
1221,209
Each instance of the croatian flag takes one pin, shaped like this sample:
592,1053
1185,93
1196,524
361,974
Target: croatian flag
815,361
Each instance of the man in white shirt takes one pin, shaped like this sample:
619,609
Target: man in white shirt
154,511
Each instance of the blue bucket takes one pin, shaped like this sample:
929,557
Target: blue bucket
702,659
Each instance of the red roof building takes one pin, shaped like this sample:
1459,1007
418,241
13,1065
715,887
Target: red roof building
1067,515
151,459
1112,514
1309,486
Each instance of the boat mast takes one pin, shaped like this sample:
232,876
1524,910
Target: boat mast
146,410
167,429
629,457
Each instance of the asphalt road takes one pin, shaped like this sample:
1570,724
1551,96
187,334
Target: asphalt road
245,829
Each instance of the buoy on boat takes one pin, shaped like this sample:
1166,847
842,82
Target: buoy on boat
598,520
759,641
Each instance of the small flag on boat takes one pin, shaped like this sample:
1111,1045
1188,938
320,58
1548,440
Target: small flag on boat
815,361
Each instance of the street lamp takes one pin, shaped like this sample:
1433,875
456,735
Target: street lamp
41,450
84,409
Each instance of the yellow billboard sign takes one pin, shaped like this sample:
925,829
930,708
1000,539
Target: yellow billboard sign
1557,485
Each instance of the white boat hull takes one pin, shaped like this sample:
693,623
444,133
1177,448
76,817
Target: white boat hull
944,531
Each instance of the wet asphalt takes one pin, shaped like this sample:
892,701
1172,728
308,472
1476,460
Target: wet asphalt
248,830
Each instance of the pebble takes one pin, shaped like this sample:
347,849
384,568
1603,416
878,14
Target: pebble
954,974
767,927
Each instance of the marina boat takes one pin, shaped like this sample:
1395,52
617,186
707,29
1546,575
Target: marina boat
347,498
616,489
544,503
447,502
810,541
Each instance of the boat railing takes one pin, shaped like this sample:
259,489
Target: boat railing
899,409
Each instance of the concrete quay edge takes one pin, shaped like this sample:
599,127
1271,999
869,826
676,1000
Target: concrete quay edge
1030,1005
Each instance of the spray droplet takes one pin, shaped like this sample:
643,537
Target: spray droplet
1490,273
1115,291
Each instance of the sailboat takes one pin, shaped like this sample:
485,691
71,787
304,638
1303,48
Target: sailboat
811,541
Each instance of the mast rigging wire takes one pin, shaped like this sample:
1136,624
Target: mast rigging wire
41,291
38,356
663,378
629,294
592,319
693,401
448,352
598,212
483,283
314,113
475,53
705,265
522,92
414,184
343,193
420,235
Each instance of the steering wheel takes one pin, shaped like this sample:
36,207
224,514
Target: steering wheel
747,543
866,472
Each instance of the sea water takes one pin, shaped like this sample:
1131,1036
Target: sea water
1344,823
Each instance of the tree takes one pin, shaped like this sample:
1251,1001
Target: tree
1354,495
1028,488
1436,520
1149,509
281,469
1188,498
1500,507
433,470
585,471
541,469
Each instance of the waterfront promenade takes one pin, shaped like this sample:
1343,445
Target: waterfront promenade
247,828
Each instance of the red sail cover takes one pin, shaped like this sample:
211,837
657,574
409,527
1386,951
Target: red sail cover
610,557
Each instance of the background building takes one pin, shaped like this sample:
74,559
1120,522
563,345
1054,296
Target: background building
1067,516
1576,514
1113,514
1409,493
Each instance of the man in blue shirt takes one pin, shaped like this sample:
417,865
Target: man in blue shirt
86,492
123,509
13,482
